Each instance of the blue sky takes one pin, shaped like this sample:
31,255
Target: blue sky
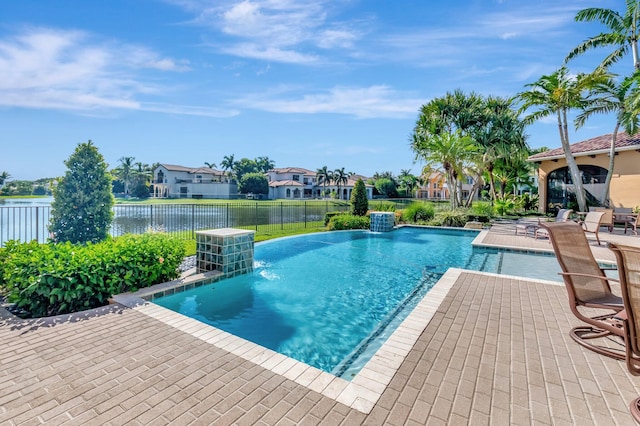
307,83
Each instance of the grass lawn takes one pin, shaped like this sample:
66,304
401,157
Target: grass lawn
266,234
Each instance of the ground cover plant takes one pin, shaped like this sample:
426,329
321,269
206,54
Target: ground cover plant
53,279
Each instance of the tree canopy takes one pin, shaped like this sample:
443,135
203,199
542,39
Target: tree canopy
81,210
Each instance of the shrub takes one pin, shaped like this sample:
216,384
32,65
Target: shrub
385,207
82,200
418,212
329,215
348,221
455,218
53,279
359,201
481,208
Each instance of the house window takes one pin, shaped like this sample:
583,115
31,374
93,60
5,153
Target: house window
296,193
288,193
296,178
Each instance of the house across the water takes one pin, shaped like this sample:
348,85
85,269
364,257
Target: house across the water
171,181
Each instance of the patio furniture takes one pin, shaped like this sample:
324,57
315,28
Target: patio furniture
562,216
607,217
592,223
534,228
587,287
632,221
628,259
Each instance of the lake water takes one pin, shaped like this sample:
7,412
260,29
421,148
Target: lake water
27,219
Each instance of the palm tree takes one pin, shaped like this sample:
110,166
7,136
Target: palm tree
451,151
4,176
557,94
264,164
407,181
210,165
126,165
228,163
324,177
340,177
620,99
500,134
624,31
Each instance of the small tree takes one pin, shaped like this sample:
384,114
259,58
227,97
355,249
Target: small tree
359,201
256,183
81,210
386,187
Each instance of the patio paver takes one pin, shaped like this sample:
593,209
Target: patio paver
496,351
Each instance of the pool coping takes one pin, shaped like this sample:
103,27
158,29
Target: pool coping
361,393
364,390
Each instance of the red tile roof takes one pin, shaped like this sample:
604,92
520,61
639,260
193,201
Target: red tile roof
285,183
598,144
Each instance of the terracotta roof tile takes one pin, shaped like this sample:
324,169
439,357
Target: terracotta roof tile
285,183
597,144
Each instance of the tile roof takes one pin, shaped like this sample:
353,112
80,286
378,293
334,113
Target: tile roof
293,170
598,144
201,170
285,183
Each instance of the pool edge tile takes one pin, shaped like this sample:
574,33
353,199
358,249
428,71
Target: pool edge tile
361,393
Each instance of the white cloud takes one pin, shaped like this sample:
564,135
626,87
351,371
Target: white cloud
275,30
360,102
67,70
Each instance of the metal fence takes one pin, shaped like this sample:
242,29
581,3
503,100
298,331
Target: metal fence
27,223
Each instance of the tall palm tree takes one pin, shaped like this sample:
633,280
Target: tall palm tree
408,181
624,31
500,134
340,177
557,94
210,165
228,163
264,164
451,151
620,99
4,176
324,177
125,168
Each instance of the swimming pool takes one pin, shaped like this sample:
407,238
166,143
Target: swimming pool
331,299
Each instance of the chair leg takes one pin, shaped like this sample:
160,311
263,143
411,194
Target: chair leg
634,407
587,336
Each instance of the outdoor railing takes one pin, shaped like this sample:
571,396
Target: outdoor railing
27,223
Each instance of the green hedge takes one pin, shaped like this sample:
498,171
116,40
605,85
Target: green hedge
348,221
53,279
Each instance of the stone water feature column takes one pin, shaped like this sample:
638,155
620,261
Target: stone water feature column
381,221
227,250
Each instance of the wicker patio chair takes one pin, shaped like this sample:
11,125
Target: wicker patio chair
628,259
587,287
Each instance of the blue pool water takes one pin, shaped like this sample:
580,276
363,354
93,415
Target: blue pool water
331,299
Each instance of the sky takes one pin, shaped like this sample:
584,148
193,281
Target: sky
307,83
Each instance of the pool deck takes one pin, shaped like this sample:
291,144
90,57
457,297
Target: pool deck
495,350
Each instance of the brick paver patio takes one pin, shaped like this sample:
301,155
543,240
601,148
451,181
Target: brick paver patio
496,351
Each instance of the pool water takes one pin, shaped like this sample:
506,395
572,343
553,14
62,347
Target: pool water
331,299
